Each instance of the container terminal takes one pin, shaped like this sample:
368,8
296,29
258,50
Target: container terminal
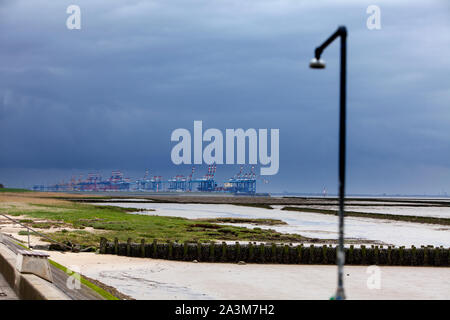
240,183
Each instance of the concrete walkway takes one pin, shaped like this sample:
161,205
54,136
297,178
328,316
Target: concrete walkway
6,292
60,286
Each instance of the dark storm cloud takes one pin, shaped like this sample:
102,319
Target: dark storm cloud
109,95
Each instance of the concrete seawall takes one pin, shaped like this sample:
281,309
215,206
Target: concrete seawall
26,286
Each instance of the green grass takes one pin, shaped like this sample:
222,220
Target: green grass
43,225
111,222
105,294
394,217
21,245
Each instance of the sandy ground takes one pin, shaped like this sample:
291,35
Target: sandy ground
12,229
35,198
25,202
161,279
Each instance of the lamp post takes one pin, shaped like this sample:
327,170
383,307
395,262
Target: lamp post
318,63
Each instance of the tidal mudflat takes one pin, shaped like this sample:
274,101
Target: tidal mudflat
314,225
144,278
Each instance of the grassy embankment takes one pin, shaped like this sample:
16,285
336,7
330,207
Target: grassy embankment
73,220
394,217
104,293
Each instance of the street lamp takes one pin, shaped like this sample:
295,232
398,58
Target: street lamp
318,63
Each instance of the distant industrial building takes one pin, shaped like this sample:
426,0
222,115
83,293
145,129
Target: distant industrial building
241,183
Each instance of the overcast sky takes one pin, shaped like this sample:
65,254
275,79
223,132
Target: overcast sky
109,95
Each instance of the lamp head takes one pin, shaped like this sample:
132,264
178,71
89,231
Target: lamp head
317,63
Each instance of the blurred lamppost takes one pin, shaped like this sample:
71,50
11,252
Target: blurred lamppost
317,63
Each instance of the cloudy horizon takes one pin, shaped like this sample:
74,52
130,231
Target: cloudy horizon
108,96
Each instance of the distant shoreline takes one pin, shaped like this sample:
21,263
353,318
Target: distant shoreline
261,199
